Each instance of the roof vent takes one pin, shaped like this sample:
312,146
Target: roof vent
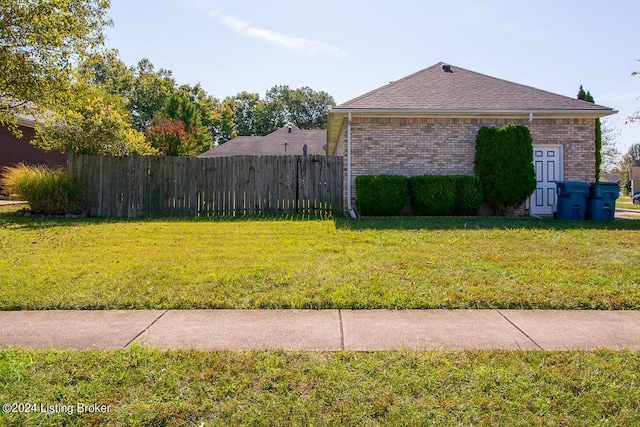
447,68
289,129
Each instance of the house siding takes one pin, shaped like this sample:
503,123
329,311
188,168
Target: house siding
445,146
15,150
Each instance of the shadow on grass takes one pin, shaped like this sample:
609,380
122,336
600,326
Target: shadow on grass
480,223
8,219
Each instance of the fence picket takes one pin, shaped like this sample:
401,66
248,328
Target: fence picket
219,186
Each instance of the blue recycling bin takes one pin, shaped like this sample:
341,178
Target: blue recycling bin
602,201
572,199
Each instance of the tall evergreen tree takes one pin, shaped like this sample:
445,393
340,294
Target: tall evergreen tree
586,96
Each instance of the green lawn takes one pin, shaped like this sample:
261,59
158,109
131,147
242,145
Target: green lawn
488,262
626,203
143,387
268,263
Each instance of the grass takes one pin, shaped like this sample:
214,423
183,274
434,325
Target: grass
96,263
144,387
280,263
49,191
626,203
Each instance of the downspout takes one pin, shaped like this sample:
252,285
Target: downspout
349,204
527,204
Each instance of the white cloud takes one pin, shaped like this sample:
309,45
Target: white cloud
297,45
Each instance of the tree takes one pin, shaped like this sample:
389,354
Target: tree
598,130
152,97
171,137
304,107
504,164
629,159
246,114
244,107
635,116
109,72
149,93
610,152
179,120
93,122
223,122
39,43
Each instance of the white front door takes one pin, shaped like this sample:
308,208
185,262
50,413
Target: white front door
547,161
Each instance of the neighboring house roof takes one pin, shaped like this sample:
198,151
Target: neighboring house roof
288,140
446,90
27,121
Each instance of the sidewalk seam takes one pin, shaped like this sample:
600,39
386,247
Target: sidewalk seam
146,329
518,328
341,330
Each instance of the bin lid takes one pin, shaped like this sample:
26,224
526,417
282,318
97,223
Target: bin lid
567,188
573,185
605,184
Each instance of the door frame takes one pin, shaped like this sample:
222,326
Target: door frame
560,177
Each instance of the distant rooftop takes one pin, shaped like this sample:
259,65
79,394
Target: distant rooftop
288,140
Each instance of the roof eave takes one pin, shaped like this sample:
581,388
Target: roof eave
471,112
27,121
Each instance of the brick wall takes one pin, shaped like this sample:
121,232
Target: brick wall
19,150
444,146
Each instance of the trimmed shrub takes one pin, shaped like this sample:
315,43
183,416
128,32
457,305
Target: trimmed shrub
381,195
504,164
468,194
433,195
48,191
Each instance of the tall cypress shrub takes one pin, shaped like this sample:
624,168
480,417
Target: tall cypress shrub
504,164
586,96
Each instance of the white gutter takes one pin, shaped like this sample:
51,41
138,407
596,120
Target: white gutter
26,121
349,204
589,112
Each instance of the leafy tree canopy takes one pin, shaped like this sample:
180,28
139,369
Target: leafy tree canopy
40,40
93,122
248,114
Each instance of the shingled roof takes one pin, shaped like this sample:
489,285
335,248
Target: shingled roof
444,88
288,140
447,90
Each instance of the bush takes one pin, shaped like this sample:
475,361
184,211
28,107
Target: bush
48,191
468,195
444,195
381,195
433,195
504,164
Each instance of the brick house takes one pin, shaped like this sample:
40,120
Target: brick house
427,123
15,150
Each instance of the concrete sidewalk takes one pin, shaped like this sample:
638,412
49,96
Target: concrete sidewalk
322,330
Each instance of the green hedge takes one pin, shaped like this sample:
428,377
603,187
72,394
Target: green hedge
381,195
445,195
469,196
504,163
433,195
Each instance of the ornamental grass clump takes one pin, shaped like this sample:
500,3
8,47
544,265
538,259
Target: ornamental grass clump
48,191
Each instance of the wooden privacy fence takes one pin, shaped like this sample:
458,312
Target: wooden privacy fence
148,186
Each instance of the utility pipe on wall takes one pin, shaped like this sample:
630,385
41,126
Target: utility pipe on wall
349,204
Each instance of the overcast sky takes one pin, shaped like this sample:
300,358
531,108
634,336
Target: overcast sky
347,48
